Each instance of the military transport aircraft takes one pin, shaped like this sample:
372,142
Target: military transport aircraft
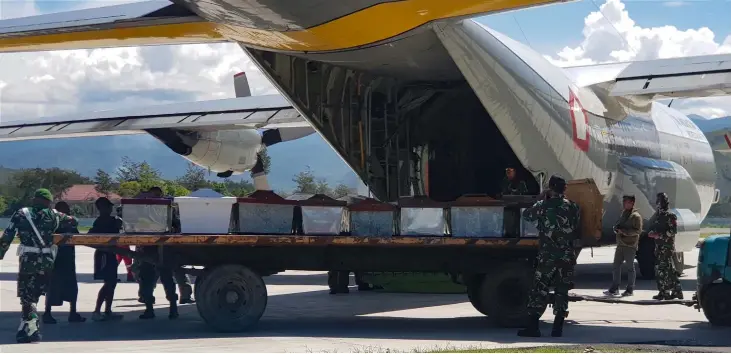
414,95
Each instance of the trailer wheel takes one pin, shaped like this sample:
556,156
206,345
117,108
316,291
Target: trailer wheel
504,294
646,258
231,298
474,293
716,304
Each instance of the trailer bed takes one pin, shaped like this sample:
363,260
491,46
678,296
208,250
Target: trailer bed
288,240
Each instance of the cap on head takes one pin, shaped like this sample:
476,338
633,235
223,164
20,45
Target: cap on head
557,184
628,197
43,193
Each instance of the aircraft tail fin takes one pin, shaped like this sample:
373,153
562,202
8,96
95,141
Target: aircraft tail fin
241,85
142,23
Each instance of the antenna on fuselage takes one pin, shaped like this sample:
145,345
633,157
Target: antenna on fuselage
671,102
241,85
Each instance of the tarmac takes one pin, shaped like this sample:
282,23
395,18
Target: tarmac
302,317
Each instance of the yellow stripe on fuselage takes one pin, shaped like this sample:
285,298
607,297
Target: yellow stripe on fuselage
363,27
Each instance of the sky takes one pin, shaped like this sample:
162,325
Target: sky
580,32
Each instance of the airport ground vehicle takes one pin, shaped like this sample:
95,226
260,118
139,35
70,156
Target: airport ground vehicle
232,295
714,279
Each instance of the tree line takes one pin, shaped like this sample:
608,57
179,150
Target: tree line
133,177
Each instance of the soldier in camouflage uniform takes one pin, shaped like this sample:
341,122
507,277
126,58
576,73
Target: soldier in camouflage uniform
512,185
558,222
663,227
37,255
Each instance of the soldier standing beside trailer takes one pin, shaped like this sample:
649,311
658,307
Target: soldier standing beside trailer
558,221
35,227
628,230
663,227
512,185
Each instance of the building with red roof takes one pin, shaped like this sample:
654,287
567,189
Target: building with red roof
84,195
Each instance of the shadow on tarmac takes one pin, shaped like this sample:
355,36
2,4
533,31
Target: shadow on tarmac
356,315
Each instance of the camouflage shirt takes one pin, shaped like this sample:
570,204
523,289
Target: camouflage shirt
514,187
665,224
47,221
557,221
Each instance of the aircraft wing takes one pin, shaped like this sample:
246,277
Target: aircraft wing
252,112
140,23
699,76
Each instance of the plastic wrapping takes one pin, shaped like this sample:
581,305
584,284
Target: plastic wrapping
477,221
422,222
147,215
265,213
527,229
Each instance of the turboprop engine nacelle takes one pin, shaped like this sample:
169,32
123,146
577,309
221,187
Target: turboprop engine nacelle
226,150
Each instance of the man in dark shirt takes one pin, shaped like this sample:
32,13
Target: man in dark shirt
105,262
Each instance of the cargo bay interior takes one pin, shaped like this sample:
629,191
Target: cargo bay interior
401,115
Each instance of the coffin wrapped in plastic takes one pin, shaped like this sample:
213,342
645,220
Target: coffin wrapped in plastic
318,214
527,228
148,215
477,216
421,216
205,211
265,213
369,217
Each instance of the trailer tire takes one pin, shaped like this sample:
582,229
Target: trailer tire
646,258
503,294
474,293
716,304
231,298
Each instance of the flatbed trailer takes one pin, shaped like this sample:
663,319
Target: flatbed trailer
496,272
231,293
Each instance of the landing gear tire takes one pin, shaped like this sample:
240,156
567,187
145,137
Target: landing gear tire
646,258
231,298
502,295
716,304
679,263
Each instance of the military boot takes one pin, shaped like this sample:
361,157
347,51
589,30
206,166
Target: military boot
532,329
661,296
28,332
557,330
173,310
677,294
149,312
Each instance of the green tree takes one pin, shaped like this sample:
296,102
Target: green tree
129,189
103,182
56,180
265,160
194,178
342,190
142,172
3,205
305,181
176,190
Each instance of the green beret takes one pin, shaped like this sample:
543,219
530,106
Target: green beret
43,193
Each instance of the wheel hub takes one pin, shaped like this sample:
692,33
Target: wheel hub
232,297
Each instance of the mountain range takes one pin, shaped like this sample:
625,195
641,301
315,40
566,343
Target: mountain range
86,155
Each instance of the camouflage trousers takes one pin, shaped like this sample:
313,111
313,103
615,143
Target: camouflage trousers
30,288
667,278
558,272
